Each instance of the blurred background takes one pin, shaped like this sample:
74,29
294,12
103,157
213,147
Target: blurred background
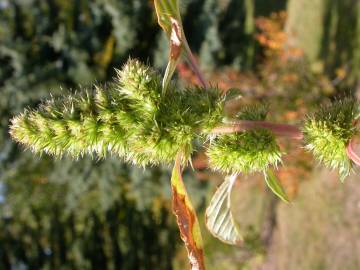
104,214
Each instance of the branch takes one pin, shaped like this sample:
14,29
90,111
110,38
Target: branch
289,131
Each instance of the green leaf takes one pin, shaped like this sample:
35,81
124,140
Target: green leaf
187,219
175,52
219,219
169,18
170,21
273,183
165,11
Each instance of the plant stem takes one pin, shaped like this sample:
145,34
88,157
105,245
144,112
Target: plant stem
194,66
350,151
289,131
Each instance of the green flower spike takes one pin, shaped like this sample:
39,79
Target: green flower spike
131,118
328,132
245,152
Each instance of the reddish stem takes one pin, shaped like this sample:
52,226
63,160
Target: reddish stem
283,130
194,66
350,151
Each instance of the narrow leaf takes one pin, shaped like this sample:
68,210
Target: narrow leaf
175,52
186,219
165,10
169,18
219,219
273,183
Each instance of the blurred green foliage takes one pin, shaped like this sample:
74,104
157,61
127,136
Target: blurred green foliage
88,215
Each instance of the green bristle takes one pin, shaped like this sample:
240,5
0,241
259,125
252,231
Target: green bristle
328,131
130,118
256,112
245,152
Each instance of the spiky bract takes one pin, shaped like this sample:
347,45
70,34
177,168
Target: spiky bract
328,131
245,152
130,119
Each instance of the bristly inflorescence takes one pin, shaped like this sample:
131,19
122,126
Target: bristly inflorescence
131,118
248,151
328,132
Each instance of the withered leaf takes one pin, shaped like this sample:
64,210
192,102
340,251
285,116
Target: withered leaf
186,219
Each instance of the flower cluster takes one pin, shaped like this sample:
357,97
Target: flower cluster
328,132
248,151
131,118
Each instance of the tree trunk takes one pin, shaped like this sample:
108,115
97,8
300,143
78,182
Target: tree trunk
305,26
